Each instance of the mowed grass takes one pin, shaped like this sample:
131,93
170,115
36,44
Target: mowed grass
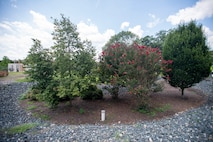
15,73
16,76
23,80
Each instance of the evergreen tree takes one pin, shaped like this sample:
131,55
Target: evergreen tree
39,62
186,46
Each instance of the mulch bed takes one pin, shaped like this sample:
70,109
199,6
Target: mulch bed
118,111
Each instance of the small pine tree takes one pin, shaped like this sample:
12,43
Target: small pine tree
186,46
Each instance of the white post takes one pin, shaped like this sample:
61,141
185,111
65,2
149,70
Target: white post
102,115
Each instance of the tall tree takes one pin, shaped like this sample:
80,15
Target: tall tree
67,44
123,37
84,62
160,38
211,55
154,41
67,68
39,62
147,41
73,59
186,46
4,63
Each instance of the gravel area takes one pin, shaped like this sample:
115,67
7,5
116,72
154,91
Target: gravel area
192,125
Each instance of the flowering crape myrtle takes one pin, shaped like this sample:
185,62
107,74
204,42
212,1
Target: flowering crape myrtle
135,67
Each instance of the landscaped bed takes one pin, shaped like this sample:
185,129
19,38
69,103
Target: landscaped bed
124,110
191,125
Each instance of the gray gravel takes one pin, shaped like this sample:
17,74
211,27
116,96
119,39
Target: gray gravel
192,125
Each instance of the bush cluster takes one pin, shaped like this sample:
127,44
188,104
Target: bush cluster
66,71
69,70
92,93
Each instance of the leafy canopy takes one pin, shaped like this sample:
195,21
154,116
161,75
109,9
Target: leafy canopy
135,67
67,69
123,37
186,46
4,63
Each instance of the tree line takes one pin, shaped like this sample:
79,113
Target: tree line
68,69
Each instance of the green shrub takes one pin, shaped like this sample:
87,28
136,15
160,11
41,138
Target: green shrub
145,109
50,94
23,96
33,95
92,93
81,111
2,68
164,108
31,107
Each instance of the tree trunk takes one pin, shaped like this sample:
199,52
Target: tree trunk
182,91
115,91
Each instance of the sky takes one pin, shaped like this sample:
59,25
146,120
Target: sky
96,20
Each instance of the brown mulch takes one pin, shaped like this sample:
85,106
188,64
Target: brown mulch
122,110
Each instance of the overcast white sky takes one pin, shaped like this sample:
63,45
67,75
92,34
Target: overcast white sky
96,20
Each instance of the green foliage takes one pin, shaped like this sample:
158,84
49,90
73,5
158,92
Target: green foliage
164,108
73,60
23,96
154,41
33,95
92,93
159,39
211,57
145,109
31,107
149,41
65,71
50,94
39,62
41,116
21,128
186,46
81,111
123,37
4,63
84,63
3,68
23,80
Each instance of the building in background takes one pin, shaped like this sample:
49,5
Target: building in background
15,67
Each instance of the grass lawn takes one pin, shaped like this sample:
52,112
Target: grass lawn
15,76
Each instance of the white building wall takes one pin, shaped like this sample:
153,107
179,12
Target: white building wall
15,67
